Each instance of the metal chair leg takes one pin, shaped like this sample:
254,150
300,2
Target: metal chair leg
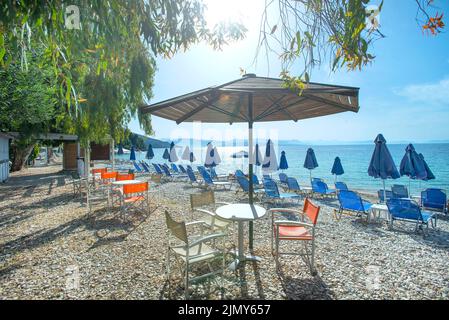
186,284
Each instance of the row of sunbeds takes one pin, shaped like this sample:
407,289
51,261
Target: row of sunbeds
400,206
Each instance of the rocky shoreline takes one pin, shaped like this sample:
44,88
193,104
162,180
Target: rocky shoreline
51,249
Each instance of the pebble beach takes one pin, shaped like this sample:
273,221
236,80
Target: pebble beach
51,248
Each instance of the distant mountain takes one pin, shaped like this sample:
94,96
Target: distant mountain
141,142
292,142
155,143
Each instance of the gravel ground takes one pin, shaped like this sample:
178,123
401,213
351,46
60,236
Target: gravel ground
51,249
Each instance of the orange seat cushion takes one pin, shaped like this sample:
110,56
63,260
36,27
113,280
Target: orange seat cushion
134,199
294,233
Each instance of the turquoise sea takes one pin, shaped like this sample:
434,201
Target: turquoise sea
354,158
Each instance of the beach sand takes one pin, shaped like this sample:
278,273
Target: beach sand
51,249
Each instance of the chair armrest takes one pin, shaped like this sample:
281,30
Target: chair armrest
293,223
207,238
205,211
222,203
194,223
280,210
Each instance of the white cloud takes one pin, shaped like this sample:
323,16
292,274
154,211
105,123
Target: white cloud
431,93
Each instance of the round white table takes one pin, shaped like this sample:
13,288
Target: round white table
125,182
241,212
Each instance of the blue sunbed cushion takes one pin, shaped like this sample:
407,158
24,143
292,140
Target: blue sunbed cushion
288,195
426,216
367,205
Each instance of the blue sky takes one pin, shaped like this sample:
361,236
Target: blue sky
404,94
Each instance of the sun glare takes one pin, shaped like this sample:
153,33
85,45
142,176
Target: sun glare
228,10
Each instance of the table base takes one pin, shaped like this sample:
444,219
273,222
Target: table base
240,259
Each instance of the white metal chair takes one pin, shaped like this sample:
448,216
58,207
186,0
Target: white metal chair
77,183
207,198
94,195
191,251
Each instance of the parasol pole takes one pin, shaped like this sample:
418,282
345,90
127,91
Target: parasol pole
385,192
409,187
250,164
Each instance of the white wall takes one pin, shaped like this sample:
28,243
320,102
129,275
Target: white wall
4,159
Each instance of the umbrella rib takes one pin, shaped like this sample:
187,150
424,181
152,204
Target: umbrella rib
330,102
197,109
171,102
232,115
269,109
283,108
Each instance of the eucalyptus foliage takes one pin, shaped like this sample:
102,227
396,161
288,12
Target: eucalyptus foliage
103,52
308,33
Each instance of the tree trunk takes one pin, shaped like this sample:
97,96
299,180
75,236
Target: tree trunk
20,156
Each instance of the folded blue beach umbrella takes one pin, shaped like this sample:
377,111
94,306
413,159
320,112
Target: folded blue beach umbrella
270,162
382,164
310,162
192,157
283,165
120,150
210,156
132,156
166,154
173,157
430,175
337,168
150,153
412,165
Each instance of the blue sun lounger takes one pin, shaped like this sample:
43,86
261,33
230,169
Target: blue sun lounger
213,184
319,187
283,178
183,170
341,186
351,202
380,195
244,185
409,211
192,178
145,166
434,199
293,185
138,168
272,192
399,191
157,168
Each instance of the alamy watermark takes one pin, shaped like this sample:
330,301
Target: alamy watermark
72,17
372,280
72,281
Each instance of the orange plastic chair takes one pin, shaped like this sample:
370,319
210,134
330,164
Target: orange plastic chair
135,196
298,229
108,177
117,190
126,176
97,170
